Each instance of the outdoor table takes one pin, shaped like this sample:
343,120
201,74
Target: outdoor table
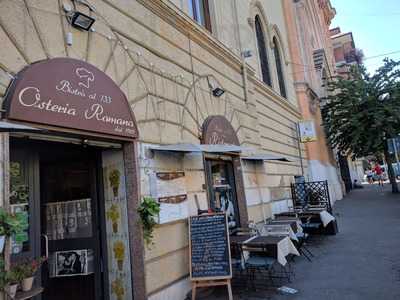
287,214
278,230
291,223
240,239
324,217
275,246
298,228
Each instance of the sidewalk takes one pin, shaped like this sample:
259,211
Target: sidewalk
362,262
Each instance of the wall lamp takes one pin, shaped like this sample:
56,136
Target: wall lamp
76,18
216,90
82,21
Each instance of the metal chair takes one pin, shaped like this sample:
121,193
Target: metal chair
300,244
238,265
257,262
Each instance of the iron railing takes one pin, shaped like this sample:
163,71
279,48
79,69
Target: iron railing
311,193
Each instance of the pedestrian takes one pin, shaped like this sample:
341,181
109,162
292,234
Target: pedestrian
379,173
370,174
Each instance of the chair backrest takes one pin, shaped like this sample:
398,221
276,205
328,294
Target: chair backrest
236,251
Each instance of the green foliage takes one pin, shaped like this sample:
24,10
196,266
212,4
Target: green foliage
363,111
11,224
148,211
28,267
11,277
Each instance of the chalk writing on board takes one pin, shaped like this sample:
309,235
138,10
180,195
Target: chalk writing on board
209,241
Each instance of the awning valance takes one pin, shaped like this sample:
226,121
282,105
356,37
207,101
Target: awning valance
14,127
210,148
265,157
206,148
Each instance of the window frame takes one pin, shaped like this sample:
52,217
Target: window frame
279,67
262,51
194,13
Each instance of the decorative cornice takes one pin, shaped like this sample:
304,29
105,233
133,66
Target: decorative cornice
174,16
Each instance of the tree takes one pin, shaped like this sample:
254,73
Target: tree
362,111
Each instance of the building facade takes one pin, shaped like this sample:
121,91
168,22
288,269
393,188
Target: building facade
313,62
346,55
93,113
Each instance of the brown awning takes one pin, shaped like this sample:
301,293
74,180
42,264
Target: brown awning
205,148
265,157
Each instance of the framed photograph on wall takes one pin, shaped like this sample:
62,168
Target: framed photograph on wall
71,263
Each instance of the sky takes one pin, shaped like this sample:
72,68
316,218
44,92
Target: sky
375,25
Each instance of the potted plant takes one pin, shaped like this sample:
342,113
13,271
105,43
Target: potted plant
114,178
114,215
148,211
119,254
27,271
10,225
10,284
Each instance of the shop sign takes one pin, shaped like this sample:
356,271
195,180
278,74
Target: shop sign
218,130
307,131
71,94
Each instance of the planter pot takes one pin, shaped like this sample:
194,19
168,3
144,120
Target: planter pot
2,242
11,290
27,284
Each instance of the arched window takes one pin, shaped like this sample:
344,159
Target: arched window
262,51
279,68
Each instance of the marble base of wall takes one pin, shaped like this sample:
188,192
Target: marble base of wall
176,291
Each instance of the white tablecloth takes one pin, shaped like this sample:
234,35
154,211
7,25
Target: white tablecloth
326,217
279,229
298,223
286,247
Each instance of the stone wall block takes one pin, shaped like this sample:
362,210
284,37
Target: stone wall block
18,24
9,55
49,26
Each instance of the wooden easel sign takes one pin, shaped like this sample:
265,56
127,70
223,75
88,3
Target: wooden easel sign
210,255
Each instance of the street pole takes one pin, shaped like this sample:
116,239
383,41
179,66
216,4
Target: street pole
396,155
299,145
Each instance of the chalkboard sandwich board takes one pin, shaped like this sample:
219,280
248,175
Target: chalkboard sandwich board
210,257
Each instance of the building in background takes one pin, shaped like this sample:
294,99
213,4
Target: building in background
312,63
347,55
345,52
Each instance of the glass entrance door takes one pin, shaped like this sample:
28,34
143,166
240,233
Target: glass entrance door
222,190
69,225
56,184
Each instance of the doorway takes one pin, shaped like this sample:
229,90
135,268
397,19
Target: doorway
64,186
222,189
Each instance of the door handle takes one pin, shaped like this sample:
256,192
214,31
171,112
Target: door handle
46,242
